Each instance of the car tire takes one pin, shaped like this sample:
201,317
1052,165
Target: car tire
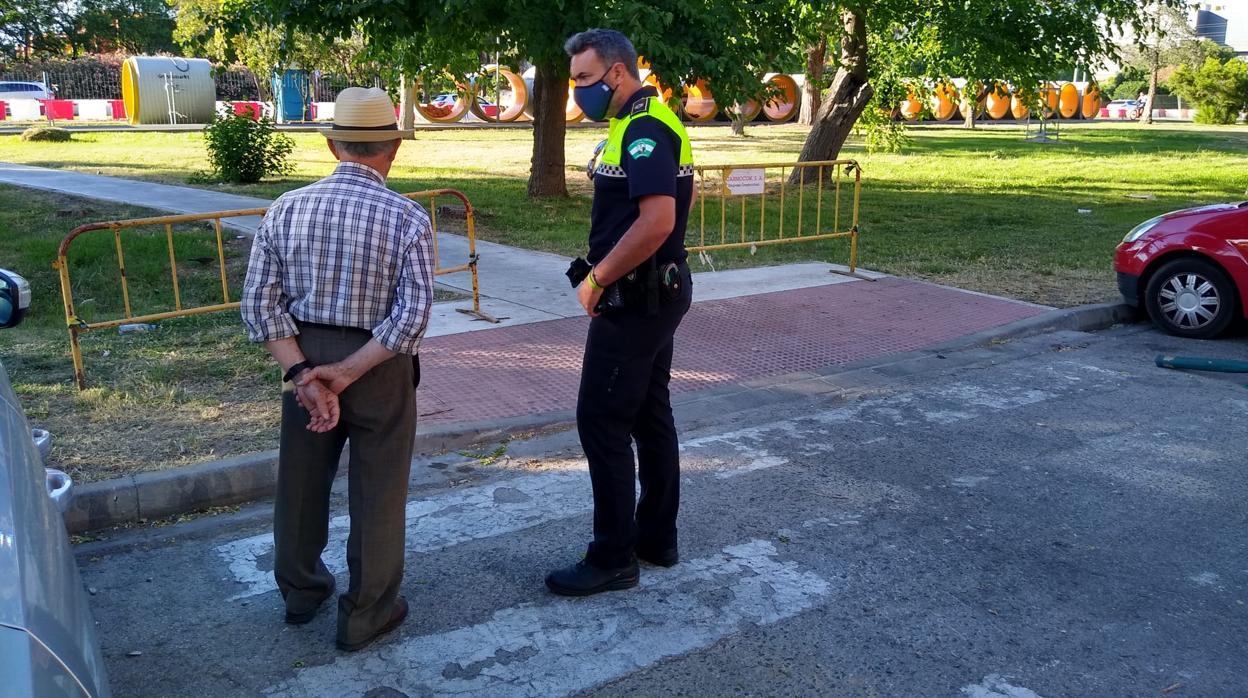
1191,297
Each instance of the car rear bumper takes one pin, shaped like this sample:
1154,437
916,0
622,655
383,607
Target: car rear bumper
1129,287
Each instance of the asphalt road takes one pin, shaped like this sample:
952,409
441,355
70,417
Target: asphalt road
1049,517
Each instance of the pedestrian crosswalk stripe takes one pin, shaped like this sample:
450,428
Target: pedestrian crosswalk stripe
515,504
434,523
566,645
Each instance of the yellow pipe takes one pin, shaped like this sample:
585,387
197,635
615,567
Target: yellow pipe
801,199
702,205
803,165
836,207
819,204
742,228
776,241
723,207
173,268
154,317
225,284
121,266
783,181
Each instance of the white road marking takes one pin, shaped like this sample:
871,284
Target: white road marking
969,480
994,686
507,506
565,646
1207,579
434,523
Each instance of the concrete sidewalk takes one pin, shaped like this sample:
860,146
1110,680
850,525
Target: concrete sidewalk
162,197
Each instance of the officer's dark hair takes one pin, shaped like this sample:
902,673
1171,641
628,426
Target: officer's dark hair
611,46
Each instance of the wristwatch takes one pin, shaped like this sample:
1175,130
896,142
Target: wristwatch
296,370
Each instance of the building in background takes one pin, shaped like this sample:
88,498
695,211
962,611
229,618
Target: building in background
1210,25
1225,23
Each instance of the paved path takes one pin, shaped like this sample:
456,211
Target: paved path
162,197
520,371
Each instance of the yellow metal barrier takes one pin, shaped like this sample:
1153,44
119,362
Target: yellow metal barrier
77,325
757,186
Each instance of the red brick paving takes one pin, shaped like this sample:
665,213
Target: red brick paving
535,368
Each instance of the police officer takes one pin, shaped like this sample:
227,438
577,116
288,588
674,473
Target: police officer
637,291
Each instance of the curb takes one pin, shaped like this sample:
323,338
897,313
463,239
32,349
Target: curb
247,478
1083,318
156,494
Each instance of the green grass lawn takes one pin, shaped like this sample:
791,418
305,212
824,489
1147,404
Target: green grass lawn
983,210
194,388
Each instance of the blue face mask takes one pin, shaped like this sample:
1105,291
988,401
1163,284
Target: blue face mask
594,99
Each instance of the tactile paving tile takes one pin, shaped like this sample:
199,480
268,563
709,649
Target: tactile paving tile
534,368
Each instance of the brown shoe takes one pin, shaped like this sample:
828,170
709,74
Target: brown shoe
397,616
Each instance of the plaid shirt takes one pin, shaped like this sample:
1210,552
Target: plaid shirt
344,251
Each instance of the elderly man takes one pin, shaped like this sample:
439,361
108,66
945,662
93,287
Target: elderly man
338,290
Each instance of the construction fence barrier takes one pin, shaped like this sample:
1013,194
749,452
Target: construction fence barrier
184,307
756,206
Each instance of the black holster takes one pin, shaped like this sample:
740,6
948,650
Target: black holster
645,288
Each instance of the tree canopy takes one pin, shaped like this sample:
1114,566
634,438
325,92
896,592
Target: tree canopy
1022,42
40,28
730,44
1218,88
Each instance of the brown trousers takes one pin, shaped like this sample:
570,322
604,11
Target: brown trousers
379,421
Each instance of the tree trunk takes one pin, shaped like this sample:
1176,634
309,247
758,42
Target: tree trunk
816,59
1154,65
550,98
738,123
848,98
407,102
970,107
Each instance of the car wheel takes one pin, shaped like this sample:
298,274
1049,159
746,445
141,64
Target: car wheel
1191,297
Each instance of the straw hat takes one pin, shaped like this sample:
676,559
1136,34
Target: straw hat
364,114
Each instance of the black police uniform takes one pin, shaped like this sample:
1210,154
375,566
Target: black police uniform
628,355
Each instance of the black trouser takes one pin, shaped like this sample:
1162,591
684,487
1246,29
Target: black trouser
624,397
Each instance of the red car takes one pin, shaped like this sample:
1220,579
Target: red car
1189,268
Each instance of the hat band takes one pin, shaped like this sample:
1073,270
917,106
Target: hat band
387,127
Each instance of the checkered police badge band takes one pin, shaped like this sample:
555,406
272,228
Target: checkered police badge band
609,171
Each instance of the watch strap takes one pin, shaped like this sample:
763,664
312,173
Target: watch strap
296,370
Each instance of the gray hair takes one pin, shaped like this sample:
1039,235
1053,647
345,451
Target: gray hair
611,46
367,149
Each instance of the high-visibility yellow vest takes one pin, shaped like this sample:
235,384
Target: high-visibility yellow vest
609,161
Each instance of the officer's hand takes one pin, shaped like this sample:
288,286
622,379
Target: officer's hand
588,297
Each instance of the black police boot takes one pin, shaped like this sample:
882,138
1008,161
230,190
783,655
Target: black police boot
585,578
663,557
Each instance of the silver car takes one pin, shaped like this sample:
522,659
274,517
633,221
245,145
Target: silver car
10,90
48,645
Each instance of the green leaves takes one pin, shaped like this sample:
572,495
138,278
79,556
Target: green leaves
244,151
1218,89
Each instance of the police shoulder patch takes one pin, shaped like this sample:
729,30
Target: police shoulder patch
641,106
641,148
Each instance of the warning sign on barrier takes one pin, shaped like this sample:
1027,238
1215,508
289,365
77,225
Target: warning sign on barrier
745,181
